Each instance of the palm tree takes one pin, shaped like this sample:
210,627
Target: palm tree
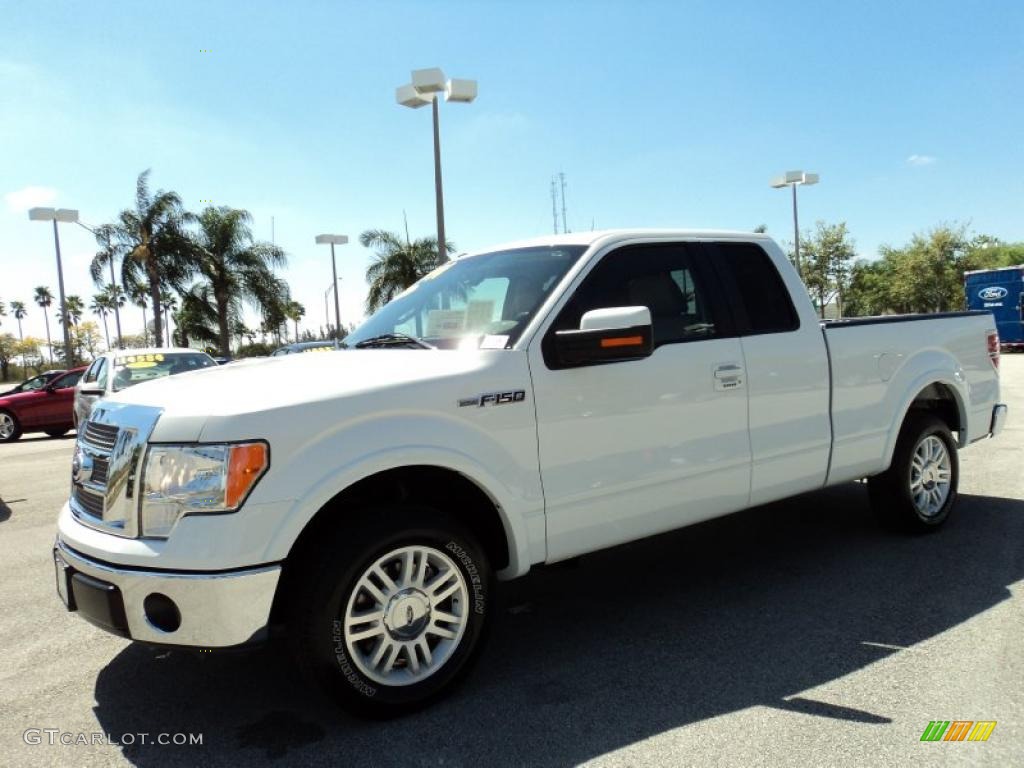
115,301
234,270
295,311
18,307
44,299
397,264
107,257
140,298
152,242
197,318
170,305
100,305
75,309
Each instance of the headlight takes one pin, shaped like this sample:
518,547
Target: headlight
184,480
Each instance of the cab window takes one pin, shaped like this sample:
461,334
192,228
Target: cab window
665,278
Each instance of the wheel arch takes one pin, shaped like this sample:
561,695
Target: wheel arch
936,393
458,493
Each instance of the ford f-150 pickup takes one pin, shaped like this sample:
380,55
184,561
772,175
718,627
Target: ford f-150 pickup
515,407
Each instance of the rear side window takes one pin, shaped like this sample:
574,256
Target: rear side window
764,302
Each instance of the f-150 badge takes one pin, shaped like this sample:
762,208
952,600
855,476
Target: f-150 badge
494,398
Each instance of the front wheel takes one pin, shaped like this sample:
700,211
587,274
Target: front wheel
919,489
10,430
391,612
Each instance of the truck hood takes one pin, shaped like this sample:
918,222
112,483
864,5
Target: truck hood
188,400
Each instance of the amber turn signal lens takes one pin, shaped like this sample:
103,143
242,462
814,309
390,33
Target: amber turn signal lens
623,341
247,464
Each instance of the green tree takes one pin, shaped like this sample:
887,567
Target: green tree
154,247
170,304
19,311
8,349
827,255
397,264
234,270
139,296
44,299
100,305
295,312
197,318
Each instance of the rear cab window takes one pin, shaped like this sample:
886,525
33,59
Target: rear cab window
759,298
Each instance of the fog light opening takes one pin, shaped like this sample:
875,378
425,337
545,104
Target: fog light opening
161,612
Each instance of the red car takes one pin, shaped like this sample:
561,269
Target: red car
46,410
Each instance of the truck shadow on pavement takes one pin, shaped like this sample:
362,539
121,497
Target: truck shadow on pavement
628,643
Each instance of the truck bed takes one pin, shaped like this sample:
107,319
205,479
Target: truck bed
879,365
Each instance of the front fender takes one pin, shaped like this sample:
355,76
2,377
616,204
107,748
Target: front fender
503,465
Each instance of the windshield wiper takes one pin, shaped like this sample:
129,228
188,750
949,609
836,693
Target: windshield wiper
393,340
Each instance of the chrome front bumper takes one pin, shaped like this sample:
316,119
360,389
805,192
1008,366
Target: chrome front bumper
998,419
217,610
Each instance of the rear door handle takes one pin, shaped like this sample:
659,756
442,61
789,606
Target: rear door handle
728,376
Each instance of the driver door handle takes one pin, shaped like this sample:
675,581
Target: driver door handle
728,376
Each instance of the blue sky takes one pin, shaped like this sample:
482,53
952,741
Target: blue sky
659,113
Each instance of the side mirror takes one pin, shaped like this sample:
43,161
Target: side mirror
608,335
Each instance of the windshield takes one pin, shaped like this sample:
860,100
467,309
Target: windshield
130,369
482,301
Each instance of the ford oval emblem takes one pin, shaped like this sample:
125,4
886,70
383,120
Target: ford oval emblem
992,293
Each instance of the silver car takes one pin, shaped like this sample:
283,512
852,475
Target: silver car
123,368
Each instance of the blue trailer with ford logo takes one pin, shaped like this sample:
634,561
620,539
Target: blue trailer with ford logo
1001,292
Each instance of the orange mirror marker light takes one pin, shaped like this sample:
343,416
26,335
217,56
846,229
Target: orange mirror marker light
247,464
623,341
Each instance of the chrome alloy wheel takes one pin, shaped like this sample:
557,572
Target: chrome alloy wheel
930,476
6,426
406,615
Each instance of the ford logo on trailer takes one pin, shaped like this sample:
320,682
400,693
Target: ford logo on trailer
992,293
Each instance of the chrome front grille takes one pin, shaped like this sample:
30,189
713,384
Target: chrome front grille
90,502
100,467
102,436
108,459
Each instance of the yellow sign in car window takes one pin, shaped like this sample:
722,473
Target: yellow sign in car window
132,361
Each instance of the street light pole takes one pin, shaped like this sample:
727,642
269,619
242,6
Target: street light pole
69,216
334,240
337,305
794,179
442,249
426,88
68,359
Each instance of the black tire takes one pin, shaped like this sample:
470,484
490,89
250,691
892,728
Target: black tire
57,432
319,597
16,433
890,492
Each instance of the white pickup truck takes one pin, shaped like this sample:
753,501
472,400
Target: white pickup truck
515,407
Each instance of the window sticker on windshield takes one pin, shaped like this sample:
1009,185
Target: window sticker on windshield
493,342
141,364
445,323
479,315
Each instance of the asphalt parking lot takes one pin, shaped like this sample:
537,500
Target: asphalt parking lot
792,634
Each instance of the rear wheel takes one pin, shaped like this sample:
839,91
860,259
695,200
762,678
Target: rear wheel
389,613
919,489
10,429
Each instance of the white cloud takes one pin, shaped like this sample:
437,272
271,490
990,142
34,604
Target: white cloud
919,160
29,197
